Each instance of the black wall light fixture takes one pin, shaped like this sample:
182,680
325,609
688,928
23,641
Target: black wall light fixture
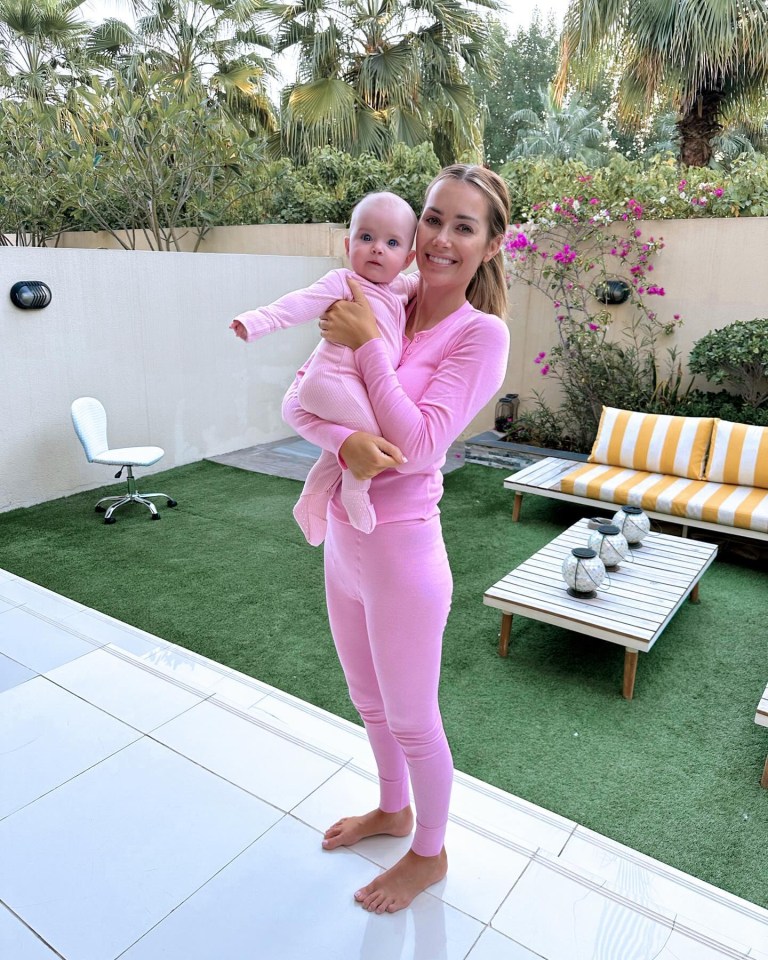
612,292
30,294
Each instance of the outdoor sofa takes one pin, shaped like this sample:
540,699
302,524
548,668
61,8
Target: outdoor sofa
695,471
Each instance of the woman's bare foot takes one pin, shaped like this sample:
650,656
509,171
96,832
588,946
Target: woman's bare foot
349,830
395,888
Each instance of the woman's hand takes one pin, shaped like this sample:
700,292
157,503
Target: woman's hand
367,455
350,323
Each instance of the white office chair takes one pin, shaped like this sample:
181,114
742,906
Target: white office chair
90,420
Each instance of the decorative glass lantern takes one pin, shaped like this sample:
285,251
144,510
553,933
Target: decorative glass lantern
610,545
506,410
633,523
584,572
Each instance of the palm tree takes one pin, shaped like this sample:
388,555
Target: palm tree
568,131
40,48
707,57
375,72
196,44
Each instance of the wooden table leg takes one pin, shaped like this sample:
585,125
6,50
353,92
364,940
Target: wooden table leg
764,781
506,630
694,595
630,669
516,507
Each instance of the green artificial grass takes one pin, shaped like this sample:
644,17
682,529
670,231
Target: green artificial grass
673,773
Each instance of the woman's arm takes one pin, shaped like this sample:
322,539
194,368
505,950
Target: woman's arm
465,379
363,453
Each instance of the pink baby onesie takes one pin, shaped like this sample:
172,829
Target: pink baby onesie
332,388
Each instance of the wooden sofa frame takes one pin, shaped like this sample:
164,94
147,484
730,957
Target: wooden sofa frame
543,478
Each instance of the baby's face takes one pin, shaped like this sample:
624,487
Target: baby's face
379,241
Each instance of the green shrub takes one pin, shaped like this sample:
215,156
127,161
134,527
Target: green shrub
737,354
665,190
330,184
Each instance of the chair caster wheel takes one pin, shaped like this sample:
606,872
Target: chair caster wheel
172,503
155,516
100,509
110,520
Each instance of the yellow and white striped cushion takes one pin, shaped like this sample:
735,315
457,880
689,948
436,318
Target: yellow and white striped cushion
739,454
653,442
731,505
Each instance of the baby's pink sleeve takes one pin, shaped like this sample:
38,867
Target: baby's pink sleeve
300,306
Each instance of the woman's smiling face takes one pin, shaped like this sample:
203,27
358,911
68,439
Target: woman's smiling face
452,237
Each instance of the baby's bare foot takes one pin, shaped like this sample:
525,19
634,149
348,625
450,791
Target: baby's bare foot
349,830
395,888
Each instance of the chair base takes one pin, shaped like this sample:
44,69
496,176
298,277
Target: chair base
132,496
142,498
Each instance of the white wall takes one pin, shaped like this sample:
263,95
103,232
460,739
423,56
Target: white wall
147,334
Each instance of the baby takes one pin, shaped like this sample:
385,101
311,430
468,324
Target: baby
379,245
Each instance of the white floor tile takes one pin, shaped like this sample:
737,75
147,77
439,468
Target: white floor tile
124,690
18,942
494,946
562,919
36,643
38,599
13,673
508,816
284,899
697,905
481,873
244,753
242,693
6,605
48,736
682,947
172,662
348,792
316,727
94,865
105,630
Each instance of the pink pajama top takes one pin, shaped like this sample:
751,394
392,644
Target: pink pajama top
443,379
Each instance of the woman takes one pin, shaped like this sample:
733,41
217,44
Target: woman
389,592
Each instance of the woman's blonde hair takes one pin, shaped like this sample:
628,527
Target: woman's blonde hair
487,291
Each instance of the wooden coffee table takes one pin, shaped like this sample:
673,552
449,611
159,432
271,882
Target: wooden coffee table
643,596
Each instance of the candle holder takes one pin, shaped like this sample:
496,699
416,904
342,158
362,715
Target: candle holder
610,545
633,524
583,572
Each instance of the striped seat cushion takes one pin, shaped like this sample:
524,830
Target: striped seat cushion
739,454
653,442
731,505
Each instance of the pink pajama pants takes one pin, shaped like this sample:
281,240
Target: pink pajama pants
388,595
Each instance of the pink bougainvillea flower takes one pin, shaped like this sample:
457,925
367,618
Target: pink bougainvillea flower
593,326
545,370
676,316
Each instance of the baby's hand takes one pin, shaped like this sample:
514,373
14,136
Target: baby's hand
239,329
